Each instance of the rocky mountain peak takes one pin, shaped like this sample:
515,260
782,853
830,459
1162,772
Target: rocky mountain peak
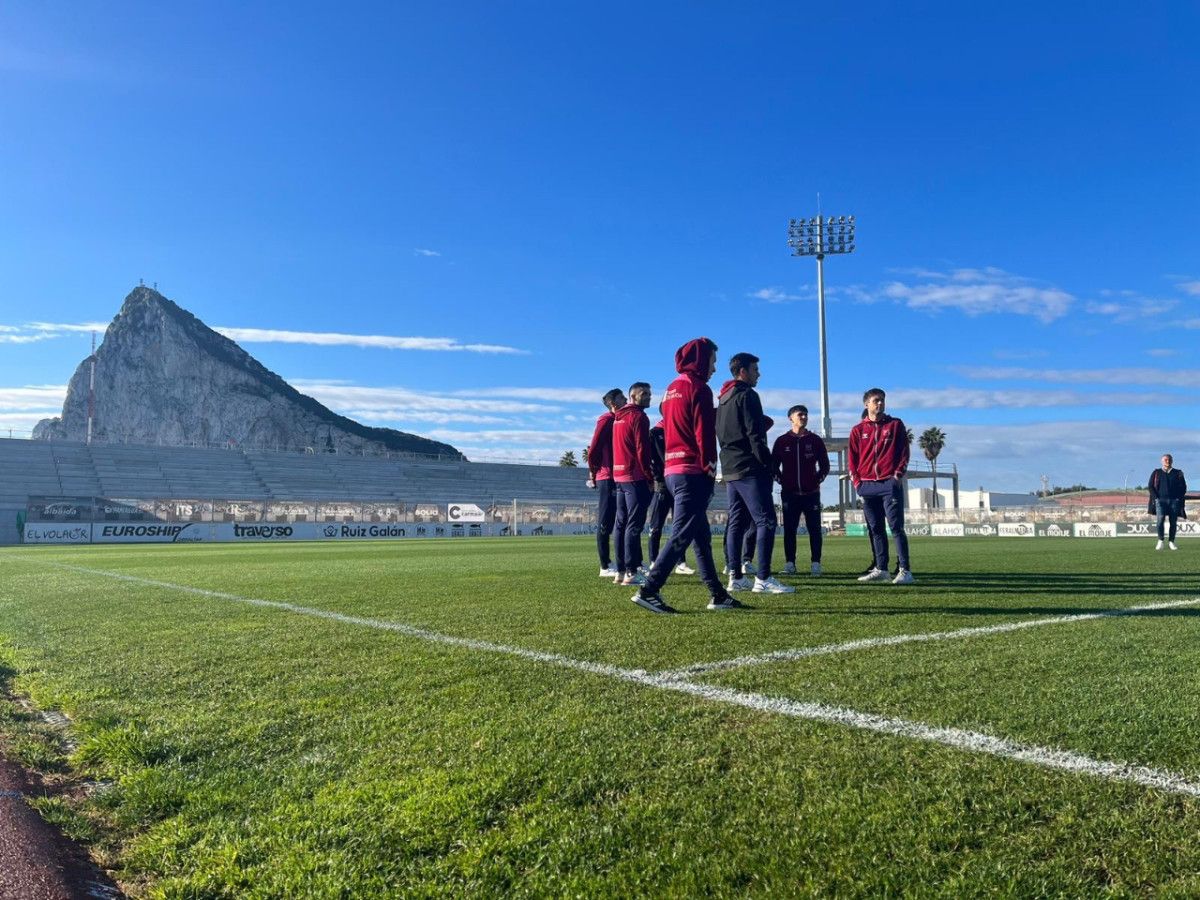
164,377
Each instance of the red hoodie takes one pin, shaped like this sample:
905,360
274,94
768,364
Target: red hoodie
877,451
631,444
600,450
689,419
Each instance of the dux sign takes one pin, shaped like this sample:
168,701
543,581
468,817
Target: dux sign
464,512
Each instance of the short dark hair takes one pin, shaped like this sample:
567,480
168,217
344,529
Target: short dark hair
799,407
610,397
873,392
639,384
1168,456
740,361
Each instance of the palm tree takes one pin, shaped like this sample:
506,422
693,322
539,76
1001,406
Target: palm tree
567,460
931,442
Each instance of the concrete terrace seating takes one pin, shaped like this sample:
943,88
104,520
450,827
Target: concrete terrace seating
129,472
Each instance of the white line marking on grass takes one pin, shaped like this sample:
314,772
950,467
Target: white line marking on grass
871,643
956,738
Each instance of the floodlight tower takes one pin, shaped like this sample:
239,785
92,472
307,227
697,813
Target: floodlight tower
821,237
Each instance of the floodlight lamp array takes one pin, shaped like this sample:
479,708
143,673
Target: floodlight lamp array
820,236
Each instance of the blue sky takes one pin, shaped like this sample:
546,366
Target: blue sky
468,220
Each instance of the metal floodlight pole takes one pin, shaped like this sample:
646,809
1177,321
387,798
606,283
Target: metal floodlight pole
821,236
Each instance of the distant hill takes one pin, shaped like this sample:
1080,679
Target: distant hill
163,376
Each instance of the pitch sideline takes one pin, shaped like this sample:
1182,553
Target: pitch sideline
955,738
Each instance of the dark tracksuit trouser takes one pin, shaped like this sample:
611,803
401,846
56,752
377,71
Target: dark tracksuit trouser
633,499
606,516
656,520
795,505
1169,510
751,505
690,494
884,501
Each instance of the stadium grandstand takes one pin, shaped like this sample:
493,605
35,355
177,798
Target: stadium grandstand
209,484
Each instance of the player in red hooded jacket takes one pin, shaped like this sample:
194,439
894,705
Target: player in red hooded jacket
689,434
877,456
600,477
632,467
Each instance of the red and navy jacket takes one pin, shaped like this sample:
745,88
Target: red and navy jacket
877,451
689,419
631,444
600,450
801,462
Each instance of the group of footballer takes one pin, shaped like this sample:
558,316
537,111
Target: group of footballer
643,474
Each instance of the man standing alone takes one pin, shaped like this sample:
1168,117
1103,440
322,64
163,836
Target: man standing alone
691,465
600,477
1167,489
877,454
801,464
748,471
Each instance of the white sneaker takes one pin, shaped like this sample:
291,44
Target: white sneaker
816,568
789,568
1158,546
747,568
739,584
1171,544
903,577
684,569
875,575
610,572
633,578
771,586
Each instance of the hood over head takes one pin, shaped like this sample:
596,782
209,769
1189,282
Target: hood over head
693,358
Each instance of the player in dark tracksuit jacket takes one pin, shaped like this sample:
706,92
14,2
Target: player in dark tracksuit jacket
600,477
1168,488
748,472
801,464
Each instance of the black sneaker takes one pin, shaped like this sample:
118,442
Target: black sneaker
652,602
726,601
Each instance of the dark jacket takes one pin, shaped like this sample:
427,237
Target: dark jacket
691,443
1170,486
742,433
801,462
658,451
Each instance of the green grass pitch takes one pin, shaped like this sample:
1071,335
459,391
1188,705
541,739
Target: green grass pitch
268,751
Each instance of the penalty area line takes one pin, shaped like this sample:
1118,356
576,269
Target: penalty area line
955,738
873,643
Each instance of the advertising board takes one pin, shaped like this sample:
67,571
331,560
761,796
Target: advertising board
58,533
151,532
464,512
1095,529
1053,529
1016,529
947,529
984,530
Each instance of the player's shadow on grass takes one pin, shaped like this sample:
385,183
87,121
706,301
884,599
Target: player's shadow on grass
1036,584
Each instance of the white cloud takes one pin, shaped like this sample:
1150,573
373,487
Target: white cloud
778,295
422,251
980,291
33,397
1190,287
1162,352
340,396
1130,310
1176,378
333,339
